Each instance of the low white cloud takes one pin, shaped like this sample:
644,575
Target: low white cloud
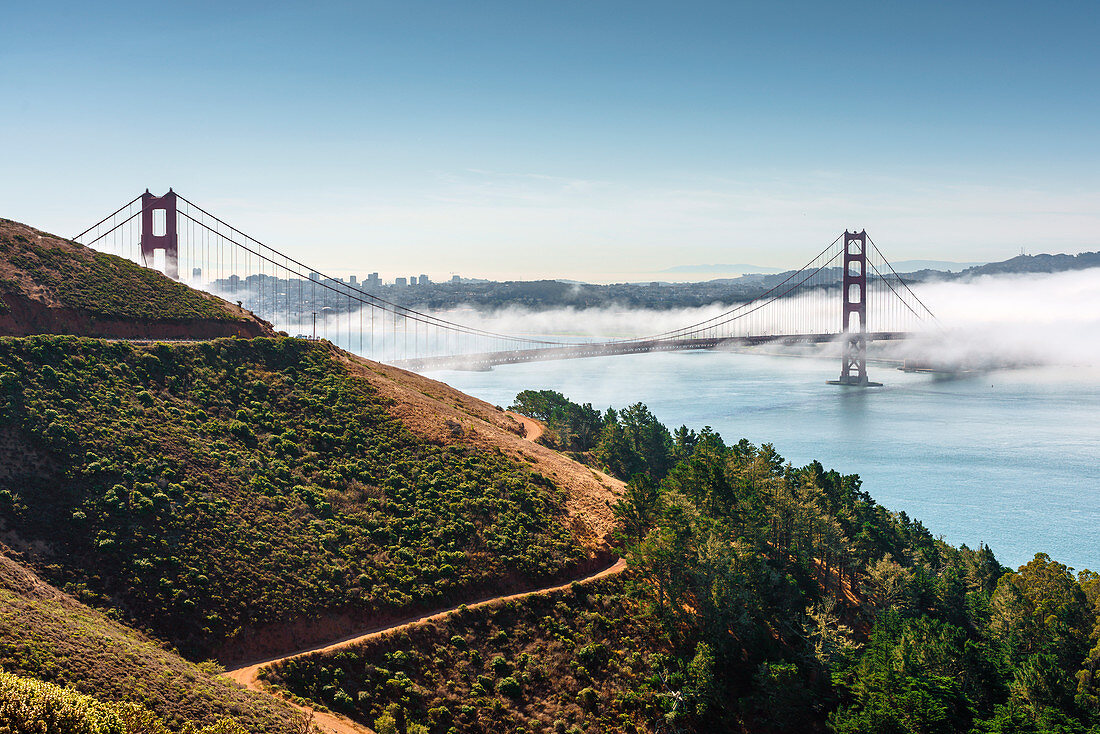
1049,318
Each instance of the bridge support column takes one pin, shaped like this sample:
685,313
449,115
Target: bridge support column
152,239
853,369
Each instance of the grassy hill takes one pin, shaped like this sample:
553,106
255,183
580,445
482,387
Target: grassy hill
49,636
235,497
52,285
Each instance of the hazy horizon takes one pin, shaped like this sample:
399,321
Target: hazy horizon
565,140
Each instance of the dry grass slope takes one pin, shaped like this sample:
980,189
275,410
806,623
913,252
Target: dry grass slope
48,635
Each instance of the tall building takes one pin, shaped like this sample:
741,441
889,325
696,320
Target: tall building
456,278
400,282
196,273
352,281
373,281
424,280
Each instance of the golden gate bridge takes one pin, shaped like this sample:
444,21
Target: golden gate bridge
839,294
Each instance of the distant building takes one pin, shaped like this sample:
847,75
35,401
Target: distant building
373,281
352,281
412,280
456,278
196,273
401,282
424,280
315,276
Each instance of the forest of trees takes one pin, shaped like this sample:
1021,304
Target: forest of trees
792,583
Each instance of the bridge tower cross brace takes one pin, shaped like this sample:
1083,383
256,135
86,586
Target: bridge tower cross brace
853,369
168,240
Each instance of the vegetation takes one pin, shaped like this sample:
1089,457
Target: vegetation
105,285
569,427
625,443
205,488
760,597
32,707
579,656
48,636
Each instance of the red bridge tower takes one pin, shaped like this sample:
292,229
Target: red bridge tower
155,238
854,360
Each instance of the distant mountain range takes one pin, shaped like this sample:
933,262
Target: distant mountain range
744,269
909,266
740,268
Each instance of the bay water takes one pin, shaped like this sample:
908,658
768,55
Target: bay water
1008,458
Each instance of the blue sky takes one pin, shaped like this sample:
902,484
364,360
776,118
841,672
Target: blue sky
576,139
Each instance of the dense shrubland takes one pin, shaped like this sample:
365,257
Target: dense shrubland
760,597
29,706
50,637
202,488
575,656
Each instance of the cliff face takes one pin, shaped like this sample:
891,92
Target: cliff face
49,285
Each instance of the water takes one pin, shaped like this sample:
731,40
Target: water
1010,459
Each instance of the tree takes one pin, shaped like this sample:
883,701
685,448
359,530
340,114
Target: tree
615,452
829,640
887,585
649,439
1041,609
638,508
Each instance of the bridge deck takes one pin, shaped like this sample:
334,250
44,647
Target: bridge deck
485,360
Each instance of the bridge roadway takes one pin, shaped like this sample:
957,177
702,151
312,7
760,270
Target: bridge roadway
486,360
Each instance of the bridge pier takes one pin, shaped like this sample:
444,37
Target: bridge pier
853,371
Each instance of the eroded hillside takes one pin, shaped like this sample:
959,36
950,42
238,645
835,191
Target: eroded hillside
50,285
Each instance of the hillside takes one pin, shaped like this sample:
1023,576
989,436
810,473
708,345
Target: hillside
49,636
1042,263
49,285
241,497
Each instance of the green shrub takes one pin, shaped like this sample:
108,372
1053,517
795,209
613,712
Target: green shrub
29,706
509,687
588,699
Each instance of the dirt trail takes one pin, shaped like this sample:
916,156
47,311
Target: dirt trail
533,428
248,676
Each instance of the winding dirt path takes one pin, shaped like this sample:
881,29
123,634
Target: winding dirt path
533,427
332,723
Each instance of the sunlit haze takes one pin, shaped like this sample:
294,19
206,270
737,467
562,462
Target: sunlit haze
594,141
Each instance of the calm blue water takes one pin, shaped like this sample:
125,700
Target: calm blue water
1011,459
